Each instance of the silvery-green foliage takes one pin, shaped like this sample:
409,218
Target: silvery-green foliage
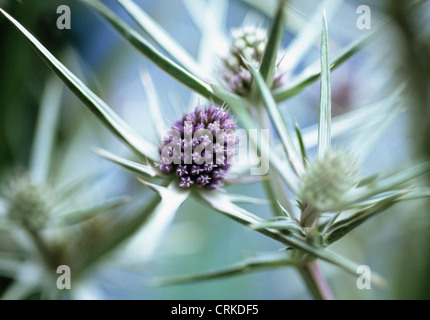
307,195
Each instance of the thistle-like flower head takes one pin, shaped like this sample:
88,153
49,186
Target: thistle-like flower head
327,179
248,42
199,148
27,203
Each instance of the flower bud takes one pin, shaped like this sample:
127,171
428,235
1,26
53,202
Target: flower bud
327,179
248,42
27,203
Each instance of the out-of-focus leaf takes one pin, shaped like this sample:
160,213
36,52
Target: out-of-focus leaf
124,230
127,164
45,130
162,215
387,183
81,215
307,35
361,119
342,227
161,37
240,198
144,47
308,77
107,116
255,264
278,121
239,108
153,104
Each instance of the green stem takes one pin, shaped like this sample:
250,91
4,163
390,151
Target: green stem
310,271
315,281
44,249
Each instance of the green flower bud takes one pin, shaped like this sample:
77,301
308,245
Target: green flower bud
327,180
27,203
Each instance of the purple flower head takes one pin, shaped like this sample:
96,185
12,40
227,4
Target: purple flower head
248,42
198,149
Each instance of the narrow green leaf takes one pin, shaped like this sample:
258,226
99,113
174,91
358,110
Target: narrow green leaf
255,264
342,227
162,38
324,122
144,47
307,77
109,118
120,232
362,119
45,130
307,34
284,223
2,207
19,290
222,204
9,265
162,216
278,121
240,198
269,60
153,103
364,143
127,164
84,214
415,194
238,107
301,143
276,192
388,183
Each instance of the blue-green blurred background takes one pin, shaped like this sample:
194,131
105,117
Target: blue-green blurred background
395,244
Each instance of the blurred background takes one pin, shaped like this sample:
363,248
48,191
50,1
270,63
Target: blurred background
395,244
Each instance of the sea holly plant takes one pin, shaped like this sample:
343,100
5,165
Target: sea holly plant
315,200
42,215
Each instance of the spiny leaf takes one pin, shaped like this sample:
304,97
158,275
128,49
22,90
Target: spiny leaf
84,214
161,37
144,47
278,120
220,203
345,226
301,144
324,123
269,60
388,183
361,119
109,118
285,224
255,264
306,34
240,198
153,103
239,108
45,130
124,230
127,164
307,78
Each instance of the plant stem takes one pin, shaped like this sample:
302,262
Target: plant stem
310,271
44,249
315,281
